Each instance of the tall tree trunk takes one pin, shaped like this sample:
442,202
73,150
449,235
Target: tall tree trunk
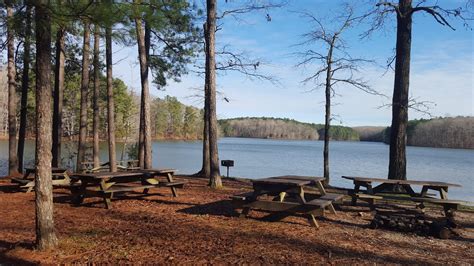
397,165
145,117
58,96
25,84
327,118
110,99
12,97
81,147
215,177
45,235
206,161
95,100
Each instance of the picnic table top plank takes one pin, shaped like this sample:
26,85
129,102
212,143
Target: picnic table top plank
107,175
401,182
288,180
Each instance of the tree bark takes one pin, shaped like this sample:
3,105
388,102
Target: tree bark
25,84
81,147
110,100
210,34
12,97
45,235
58,96
327,118
95,100
397,164
206,160
145,117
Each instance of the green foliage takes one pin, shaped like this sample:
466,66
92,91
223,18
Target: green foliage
174,120
132,151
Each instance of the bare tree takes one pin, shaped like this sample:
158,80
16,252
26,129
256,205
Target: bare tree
12,97
45,235
404,11
336,66
25,84
81,147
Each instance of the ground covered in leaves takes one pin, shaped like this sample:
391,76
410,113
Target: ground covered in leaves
200,226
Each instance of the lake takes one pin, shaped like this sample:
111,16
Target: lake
257,158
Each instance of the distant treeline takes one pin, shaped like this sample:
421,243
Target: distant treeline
170,118
281,128
451,132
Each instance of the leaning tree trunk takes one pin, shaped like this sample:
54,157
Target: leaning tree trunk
110,100
45,235
81,147
12,97
58,96
397,165
25,84
95,100
215,176
145,117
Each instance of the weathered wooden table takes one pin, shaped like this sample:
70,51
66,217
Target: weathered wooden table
371,193
289,197
60,178
105,184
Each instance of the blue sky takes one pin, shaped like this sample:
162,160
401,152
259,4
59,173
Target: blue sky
441,69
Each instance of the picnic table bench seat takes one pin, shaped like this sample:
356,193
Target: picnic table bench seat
60,178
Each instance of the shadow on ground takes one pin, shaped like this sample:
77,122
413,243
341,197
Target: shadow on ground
7,260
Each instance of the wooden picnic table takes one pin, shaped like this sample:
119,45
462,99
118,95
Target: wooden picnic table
371,193
105,184
441,187
289,197
60,178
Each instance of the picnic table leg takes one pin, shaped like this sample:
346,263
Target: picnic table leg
311,219
410,190
424,191
354,196
246,210
443,192
107,199
30,186
173,189
78,193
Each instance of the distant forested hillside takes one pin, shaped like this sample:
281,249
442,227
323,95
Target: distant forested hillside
449,132
281,128
457,132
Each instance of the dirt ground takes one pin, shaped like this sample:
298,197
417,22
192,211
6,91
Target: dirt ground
201,227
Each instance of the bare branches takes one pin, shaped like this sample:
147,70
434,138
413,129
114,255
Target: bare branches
335,66
417,105
251,6
436,15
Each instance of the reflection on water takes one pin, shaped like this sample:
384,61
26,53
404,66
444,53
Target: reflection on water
256,158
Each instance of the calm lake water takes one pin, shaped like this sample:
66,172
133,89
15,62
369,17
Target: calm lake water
257,158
